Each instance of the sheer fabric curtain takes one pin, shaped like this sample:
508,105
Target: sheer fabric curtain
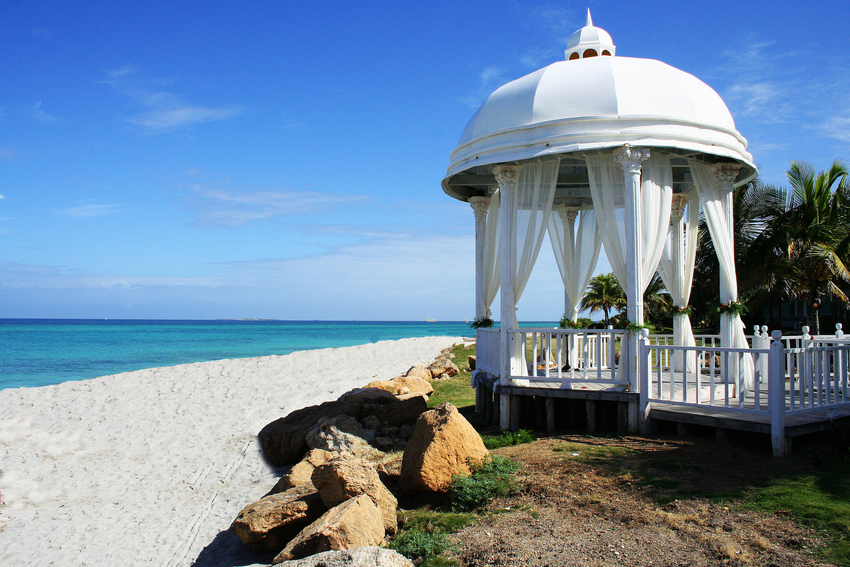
676,269
532,207
576,252
607,189
491,252
711,200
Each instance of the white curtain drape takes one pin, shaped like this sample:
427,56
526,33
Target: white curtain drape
576,252
676,269
491,253
711,200
532,207
607,189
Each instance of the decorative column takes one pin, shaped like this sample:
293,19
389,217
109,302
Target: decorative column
506,176
568,217
677,257
631,159
480,206
725,174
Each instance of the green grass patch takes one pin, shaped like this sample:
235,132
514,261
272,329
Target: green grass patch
423,535
819,500
508,438
494,477
456,390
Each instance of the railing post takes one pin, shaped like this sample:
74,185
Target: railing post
776,395
644,366
839,334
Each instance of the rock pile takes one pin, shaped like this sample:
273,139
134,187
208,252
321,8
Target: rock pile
333,500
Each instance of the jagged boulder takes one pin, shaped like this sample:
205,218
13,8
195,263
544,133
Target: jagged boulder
341,434
414,385
300,472
368,396
404,411
345,477
270,522
369,556
419,371
442,444
354,523
443,368
390,386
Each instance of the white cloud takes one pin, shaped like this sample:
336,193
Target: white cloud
836,127
2,197
91,210
166,110
39,115
222,207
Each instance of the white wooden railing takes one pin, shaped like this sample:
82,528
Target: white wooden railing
787,381
570,355
487,349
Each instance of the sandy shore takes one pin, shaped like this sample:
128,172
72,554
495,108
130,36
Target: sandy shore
150,467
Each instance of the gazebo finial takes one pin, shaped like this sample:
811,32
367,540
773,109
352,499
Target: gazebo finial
589,41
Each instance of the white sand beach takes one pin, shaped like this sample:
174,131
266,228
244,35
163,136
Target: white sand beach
150,467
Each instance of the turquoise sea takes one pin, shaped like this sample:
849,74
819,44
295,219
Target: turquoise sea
40,352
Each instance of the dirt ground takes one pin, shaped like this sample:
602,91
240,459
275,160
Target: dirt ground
635,501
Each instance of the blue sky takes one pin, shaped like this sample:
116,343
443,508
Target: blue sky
283,160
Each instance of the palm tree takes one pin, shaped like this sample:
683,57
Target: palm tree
815,235
603,292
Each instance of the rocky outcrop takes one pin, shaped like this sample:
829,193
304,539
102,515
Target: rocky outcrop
403,412
419,371
345,477
354,523
442,445
369,556
300,472
341,434
270,522
443,368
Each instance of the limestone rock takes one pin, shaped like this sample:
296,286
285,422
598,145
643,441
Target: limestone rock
369,556
419,371
403,412
354,523
390,386
444,368
345,477
271,521
442,443
372,422
300,472
414,385
284,441
368,396
341,434
473,362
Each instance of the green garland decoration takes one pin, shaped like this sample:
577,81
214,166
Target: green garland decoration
733,308
482,323
635,328
687,310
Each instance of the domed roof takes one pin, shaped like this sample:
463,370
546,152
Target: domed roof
593,103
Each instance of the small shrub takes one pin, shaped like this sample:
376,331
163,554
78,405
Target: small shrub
415,544
494,477
508,438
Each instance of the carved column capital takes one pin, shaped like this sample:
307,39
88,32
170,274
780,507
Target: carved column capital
631,158
677,207
725,173
507,176
572,214
480,206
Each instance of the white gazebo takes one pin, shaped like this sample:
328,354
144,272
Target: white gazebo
597,150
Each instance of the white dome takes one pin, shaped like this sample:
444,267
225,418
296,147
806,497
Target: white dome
594,103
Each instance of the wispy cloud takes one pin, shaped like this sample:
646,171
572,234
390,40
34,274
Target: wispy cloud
88,210
38,114
836,127
489,79
215,206
2,197
166,111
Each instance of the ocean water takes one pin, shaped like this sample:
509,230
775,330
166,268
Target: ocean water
40,352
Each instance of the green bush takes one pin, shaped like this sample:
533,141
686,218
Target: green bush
494,477
416,543
508,438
